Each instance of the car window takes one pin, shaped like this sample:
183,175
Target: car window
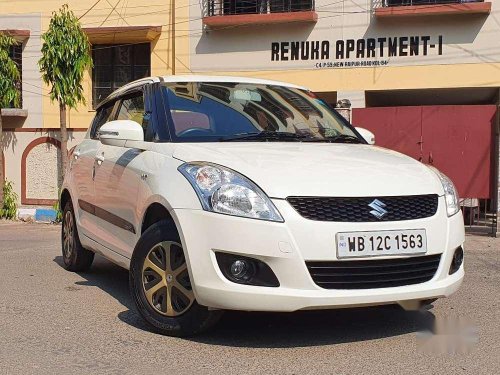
185,120
225,111
103,116
132,108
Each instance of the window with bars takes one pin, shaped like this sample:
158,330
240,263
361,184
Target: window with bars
16,54
395,3
116,65
229,7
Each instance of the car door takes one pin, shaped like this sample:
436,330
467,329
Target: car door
82,172
116,183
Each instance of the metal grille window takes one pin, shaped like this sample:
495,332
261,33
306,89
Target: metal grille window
229,7
395,3
116,65
16,54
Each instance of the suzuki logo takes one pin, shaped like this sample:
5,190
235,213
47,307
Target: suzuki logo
378,209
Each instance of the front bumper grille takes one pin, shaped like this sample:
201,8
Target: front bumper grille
358,209
374,273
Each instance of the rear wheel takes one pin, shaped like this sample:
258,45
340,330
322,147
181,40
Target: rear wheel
75,257
161,286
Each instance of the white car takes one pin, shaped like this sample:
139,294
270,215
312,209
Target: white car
224,193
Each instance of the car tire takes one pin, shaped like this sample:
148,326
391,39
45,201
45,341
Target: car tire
161,288
75,257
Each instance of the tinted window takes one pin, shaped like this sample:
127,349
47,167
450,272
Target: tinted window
102,117
185,120
132,108
221,111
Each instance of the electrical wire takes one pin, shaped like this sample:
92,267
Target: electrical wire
192,33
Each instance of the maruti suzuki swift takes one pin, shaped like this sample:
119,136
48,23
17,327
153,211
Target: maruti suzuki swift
224,193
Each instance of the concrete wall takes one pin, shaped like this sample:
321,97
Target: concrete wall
43,172
40,161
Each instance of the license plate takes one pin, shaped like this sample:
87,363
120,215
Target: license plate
381,243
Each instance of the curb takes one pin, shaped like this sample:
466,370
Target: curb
41,215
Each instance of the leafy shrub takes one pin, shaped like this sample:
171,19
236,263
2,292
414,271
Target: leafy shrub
58,210
9,209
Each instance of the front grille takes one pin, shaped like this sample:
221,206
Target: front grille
357,210
373,273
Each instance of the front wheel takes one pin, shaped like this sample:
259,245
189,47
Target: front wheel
75,257
161,286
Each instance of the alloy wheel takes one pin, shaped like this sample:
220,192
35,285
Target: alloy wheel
165,279
68,235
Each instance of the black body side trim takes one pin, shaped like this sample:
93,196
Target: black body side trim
106,216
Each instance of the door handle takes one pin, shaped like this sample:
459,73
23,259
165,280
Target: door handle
76,154
99,159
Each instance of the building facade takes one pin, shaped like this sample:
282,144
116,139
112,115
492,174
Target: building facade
129,41
424,75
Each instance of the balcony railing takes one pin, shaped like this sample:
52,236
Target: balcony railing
213,8
411,8
397,3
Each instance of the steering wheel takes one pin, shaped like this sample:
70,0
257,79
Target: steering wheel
194,132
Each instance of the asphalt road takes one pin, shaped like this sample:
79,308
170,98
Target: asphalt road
56,322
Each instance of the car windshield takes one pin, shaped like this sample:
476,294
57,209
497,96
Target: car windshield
240,112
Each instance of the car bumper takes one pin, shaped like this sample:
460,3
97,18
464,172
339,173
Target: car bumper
286,247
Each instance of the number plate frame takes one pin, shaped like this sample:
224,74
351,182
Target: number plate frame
343,251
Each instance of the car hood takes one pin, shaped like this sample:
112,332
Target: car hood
285,169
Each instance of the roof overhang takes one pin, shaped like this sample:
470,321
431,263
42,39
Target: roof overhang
17,34
14,112
122,34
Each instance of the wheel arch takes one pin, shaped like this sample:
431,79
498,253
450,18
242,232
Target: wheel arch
64,198
159,209
156,212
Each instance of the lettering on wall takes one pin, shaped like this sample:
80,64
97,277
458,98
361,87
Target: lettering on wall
356,52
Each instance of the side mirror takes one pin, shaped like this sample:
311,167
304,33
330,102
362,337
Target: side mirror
121,133
367,135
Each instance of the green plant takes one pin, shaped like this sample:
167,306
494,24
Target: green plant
9,208
65,58
9,93
58,209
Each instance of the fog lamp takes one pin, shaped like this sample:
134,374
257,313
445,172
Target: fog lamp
456,262
245,270
239,269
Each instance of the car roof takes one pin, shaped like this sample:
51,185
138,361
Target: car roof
194,78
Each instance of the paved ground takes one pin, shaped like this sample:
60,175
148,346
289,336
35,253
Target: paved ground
53,321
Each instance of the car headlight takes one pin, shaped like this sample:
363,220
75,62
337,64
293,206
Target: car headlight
450,192
225,191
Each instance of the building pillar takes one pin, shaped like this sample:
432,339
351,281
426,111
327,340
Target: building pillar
347,100
357,98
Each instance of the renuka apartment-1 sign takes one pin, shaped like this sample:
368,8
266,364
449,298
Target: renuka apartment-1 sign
381,47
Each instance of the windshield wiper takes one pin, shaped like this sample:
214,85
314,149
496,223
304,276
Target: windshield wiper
339,138
264,136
